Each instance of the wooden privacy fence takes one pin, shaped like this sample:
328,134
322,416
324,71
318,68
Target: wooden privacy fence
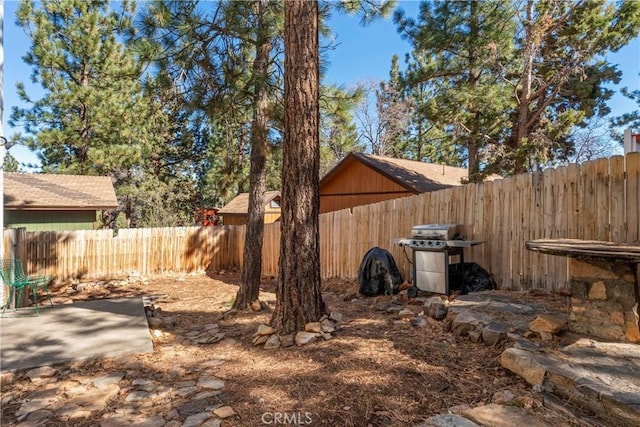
597,200
102,253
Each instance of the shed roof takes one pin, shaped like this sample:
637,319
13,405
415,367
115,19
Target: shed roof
240,204
58,192
418,177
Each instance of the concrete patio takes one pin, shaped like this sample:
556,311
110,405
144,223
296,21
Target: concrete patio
74,332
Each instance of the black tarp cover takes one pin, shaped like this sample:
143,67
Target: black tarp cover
378,273
475,278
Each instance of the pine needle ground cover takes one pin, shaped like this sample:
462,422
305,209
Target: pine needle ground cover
376,370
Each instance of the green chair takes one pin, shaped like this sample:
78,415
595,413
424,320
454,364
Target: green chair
12,274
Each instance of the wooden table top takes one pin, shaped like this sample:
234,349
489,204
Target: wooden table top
595,249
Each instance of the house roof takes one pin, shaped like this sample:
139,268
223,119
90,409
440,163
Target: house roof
240,204
418,177
58,192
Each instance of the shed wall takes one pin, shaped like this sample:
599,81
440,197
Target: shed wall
356,185
235,219
46,220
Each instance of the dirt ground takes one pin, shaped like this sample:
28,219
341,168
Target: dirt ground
376,370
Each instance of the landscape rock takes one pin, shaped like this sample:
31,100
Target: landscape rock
546,336
459,409
196,420
468,320
286,340
108,379
40,373
212,383
315,327
524,364
495,333
211,339
272,342
327,326
448,420
304,337
224,412
502,416
435,308
419,322
265,330
260,339
551,323
41,414
475,336
598,291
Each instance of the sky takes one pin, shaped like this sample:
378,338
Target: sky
361,54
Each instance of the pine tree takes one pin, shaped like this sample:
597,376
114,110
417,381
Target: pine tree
93,118
561,75
338,133
512,80
627,120
261,76
459,48
298,295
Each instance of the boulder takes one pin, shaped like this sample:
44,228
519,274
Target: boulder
435,308
503,416
467,321
315,327
304,337
495,333
272,342
265,330
524,364
549,323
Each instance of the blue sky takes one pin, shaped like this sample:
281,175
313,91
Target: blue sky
361,54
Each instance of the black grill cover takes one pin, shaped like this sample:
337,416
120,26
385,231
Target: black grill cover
378,273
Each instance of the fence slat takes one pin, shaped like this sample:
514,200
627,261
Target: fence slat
633,197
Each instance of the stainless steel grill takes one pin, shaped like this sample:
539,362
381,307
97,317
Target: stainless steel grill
433,245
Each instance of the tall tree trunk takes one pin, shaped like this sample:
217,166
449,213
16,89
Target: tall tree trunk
298,295
521,130
474,81
249,290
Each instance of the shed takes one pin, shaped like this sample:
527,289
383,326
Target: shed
235,212
361,179
52,202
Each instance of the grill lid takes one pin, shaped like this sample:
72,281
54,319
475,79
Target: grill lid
436,231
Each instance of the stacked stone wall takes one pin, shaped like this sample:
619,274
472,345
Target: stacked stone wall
604,300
